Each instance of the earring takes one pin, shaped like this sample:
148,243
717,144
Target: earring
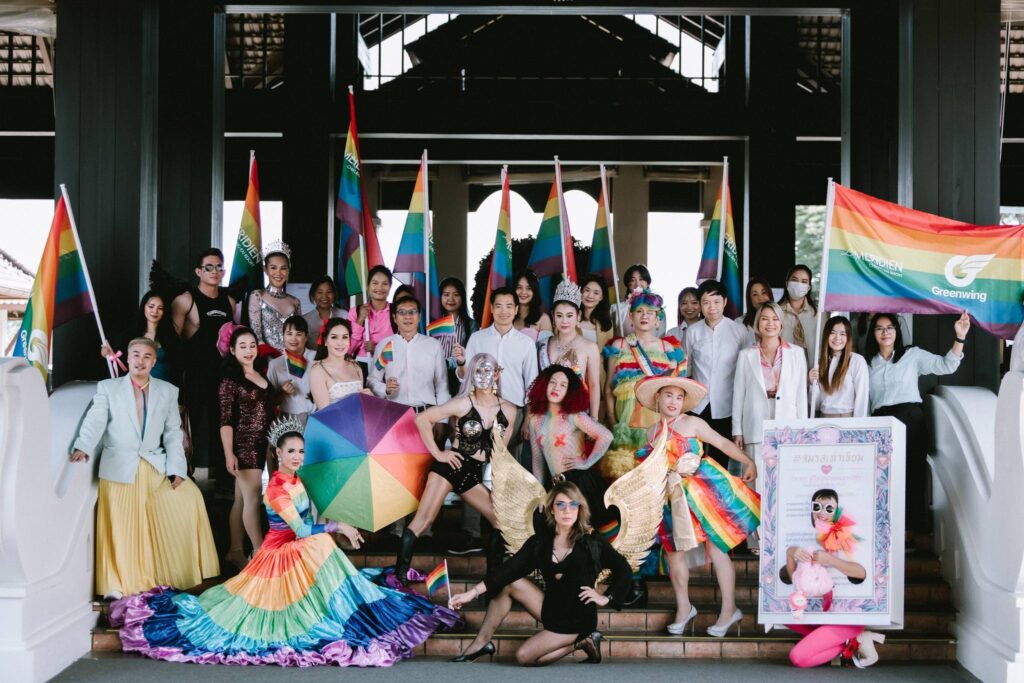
494,389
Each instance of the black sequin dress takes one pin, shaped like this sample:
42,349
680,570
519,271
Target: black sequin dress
249,410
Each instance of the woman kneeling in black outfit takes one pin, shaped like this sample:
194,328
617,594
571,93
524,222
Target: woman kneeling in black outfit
570,557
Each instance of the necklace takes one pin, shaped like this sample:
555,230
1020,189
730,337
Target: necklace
141,387
556,558
276,292
562,348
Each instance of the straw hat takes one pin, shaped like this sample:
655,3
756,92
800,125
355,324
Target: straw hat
647,391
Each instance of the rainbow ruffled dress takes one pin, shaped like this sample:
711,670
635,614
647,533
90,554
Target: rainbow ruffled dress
704,502
299,602
631,363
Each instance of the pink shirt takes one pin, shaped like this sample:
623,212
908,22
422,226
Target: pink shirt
772,373
378,323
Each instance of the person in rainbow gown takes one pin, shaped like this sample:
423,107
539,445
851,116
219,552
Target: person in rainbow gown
299,601
705,504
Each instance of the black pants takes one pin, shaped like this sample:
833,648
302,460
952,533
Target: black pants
723,426
919,518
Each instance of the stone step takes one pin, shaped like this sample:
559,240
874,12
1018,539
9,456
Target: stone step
631,645
921,567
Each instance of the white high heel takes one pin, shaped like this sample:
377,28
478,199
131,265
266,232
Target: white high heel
866,653
679,628
720,631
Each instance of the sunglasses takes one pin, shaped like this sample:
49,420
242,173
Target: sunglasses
818,507
563,505
213,268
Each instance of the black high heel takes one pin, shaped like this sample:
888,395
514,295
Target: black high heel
487,649
591,645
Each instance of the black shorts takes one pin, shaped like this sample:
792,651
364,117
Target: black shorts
463,479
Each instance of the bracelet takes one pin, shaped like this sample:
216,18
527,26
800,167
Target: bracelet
460,363
959,341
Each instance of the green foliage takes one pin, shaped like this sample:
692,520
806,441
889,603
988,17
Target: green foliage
810,238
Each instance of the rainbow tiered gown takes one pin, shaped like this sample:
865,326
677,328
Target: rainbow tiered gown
299,602
713,506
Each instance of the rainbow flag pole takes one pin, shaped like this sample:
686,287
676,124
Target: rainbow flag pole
604,204
428,256
830,207
437,578
111,367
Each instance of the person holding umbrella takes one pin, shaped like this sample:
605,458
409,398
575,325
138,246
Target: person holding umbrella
477,409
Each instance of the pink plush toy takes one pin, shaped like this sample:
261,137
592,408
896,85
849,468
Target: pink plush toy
810,580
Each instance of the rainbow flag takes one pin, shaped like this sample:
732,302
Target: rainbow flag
387,354
437,578
501,262
60,292
720,259
353,211
553,242
442,326
414,263
602,251
882,257
247,265
296,363
727,509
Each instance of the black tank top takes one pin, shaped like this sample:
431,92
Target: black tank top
213,313
473,436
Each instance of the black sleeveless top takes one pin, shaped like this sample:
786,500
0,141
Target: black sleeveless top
213,313
471,434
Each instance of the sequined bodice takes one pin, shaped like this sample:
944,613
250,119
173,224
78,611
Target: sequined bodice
472,437
340,390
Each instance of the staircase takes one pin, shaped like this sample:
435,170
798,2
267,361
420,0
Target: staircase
640,633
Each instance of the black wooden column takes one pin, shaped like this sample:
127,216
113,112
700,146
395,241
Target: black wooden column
949,140
773,53
105,152
306,152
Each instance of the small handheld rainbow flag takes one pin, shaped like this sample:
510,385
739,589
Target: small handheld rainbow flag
438,579
445,325
387,354
296,364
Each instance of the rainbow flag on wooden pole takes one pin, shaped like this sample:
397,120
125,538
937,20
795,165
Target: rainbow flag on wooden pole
247,264
720,259
414,263
501,260
602,250
62,291
552,251
885,258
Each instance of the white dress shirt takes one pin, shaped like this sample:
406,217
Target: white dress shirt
419,367
679,332
315,323
711,355
277,372
895,383
808,320
517,357
850,397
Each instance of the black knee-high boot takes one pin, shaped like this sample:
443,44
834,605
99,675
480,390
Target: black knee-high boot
406,546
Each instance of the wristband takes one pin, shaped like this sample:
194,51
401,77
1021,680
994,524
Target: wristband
959,341
460,363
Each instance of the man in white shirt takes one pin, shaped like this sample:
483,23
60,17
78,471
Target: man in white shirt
712,346
415,374
517,359
409,368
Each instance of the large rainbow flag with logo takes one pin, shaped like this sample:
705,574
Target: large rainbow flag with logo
60,292
247,264
501,262
882,257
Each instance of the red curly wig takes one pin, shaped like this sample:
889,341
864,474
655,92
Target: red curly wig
577,398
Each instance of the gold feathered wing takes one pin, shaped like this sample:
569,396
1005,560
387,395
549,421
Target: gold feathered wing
640,497
515,495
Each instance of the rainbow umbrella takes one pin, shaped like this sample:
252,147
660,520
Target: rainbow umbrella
365,461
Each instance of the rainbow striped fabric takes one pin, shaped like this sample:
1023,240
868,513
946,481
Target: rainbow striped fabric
720,259
299,602
601,257
883,257
60,292
387,354
415,259
247,264
437,578
296,363
442,326
553,240
501,262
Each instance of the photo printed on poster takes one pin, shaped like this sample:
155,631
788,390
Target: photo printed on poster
831,506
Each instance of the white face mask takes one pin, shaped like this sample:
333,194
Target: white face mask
797,290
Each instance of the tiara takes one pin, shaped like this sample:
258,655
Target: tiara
569,291
282,426
277,247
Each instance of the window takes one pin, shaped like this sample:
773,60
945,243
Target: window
675,241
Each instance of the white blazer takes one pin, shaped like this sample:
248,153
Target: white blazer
111,426
750,399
